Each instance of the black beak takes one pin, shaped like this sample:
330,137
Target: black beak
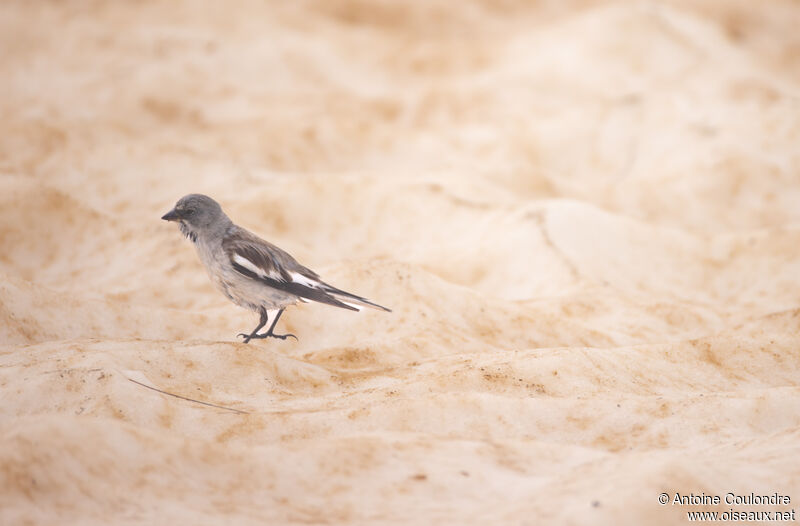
172,215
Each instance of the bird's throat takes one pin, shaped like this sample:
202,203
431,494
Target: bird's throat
186,231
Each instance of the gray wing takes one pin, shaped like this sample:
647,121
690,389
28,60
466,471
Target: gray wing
262,261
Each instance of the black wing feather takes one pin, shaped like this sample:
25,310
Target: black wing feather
296,289
276,262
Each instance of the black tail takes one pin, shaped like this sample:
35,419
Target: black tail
347,298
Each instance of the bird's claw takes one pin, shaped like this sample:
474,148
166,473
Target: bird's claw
248,337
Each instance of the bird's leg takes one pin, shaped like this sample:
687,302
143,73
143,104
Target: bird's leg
261,323
270,334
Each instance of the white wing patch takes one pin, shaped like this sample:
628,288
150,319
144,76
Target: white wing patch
252,267
302,280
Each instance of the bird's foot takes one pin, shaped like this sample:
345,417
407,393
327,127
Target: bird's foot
248,337
284,336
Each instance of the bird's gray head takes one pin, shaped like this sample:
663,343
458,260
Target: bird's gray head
198,215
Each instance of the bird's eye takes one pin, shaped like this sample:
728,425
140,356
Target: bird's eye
190,212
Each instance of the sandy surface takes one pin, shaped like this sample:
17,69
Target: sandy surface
586,217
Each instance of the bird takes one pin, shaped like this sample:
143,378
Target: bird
251,272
